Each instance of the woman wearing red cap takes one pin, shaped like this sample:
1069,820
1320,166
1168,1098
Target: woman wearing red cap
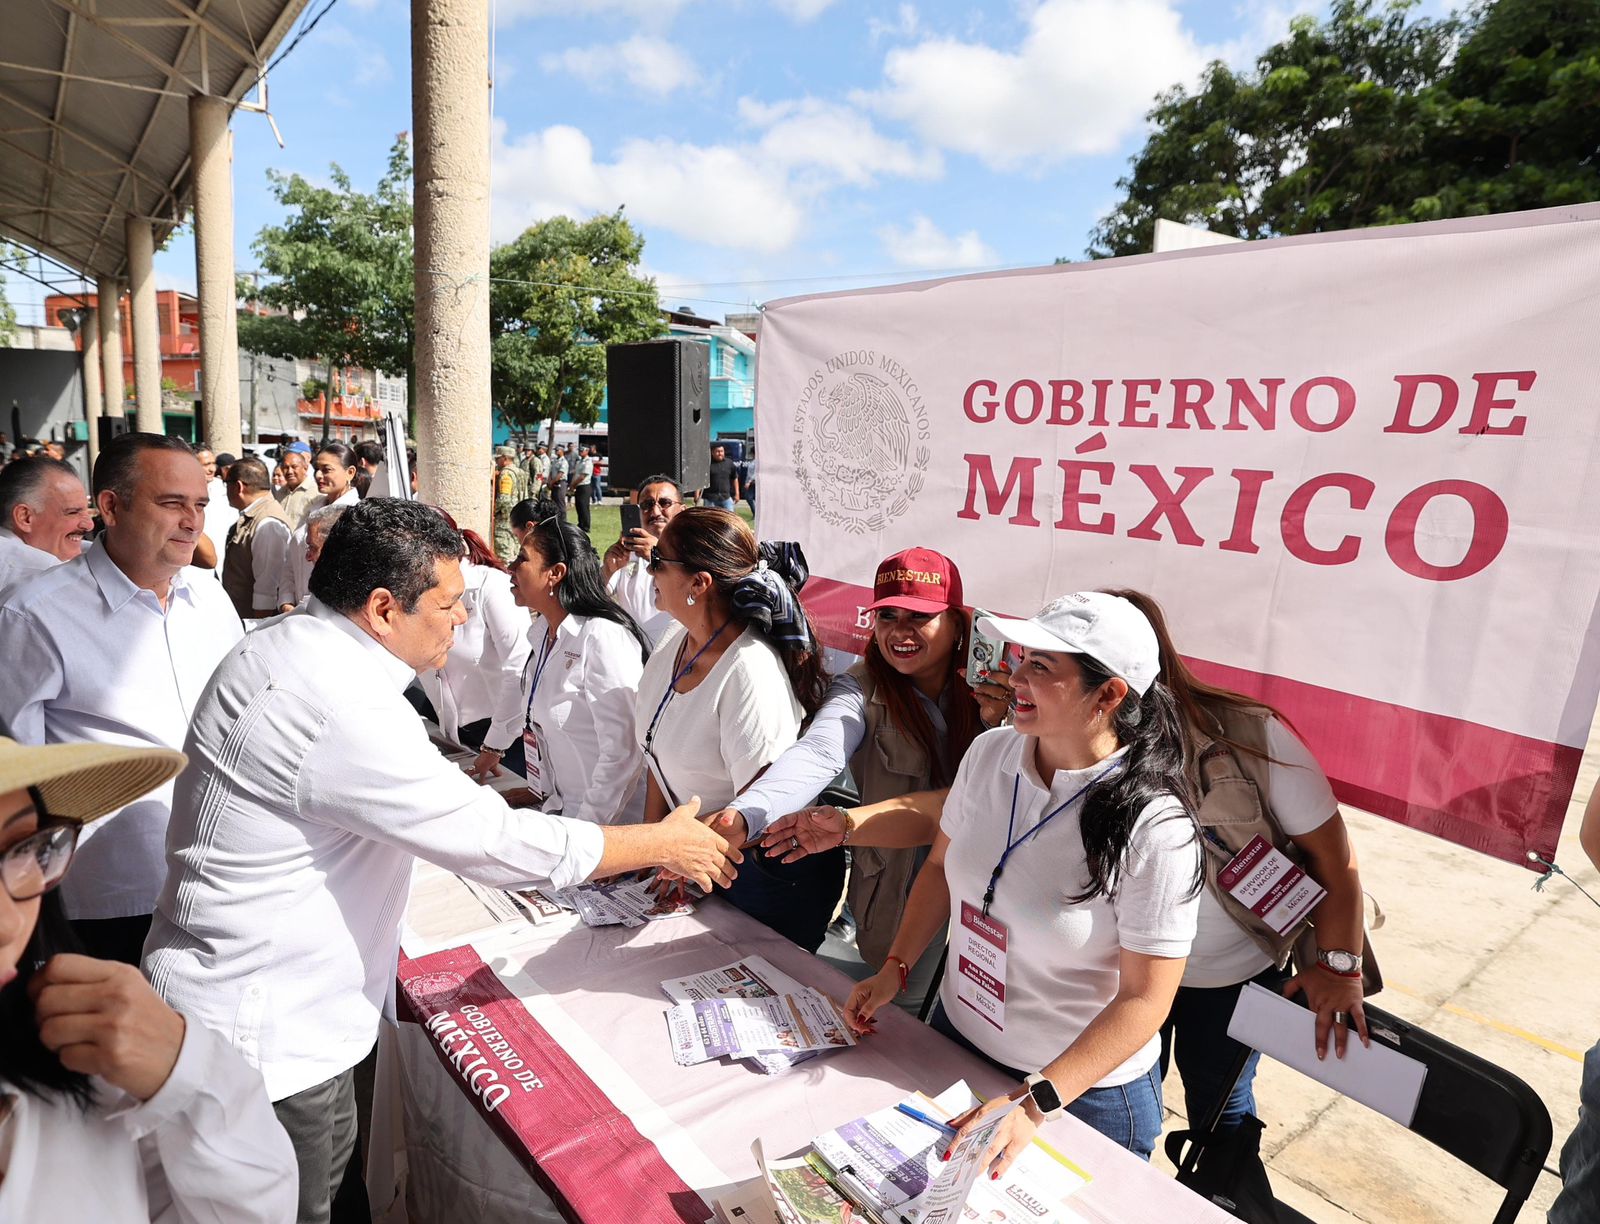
902,719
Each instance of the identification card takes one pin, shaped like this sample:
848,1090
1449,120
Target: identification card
981,964
1263,880
534,767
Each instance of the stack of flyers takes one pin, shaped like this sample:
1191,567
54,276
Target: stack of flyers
754,977
629,902
746,1028
514,905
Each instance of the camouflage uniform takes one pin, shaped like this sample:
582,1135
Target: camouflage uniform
510,487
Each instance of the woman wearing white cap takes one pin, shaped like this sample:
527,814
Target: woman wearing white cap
1067,866
112,1107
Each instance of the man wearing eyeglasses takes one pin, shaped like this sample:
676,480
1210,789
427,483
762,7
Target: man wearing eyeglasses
627,577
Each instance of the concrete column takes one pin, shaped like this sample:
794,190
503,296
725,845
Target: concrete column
109,291
146,326
450,115
89,330
211,153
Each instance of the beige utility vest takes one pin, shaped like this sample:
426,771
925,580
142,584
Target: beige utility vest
238,563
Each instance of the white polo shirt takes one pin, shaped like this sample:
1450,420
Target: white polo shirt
311,784
1062,956
90,656
634,588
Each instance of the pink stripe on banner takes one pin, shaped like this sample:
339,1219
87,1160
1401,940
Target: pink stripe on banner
1493,791
577,1145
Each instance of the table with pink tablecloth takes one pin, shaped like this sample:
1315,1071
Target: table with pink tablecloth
529,1077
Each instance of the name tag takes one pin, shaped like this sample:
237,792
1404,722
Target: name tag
1263,880
981,964
534,767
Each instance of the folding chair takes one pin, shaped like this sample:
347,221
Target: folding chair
1481,1114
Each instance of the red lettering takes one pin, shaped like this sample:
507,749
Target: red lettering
1189,398
1102,387
1265,414
980,470
1485,403
1060,398
1169,503
1344,403
1449,394
989,404
1293,522
1490,525
1073,497
1133,402
1244,510
1011,401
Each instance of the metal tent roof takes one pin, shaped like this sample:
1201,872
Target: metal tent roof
94,122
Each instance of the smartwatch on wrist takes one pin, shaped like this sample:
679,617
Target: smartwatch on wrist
1045,1097
1335,960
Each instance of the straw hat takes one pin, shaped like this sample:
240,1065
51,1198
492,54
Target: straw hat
83,782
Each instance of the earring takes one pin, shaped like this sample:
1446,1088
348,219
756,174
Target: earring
691,601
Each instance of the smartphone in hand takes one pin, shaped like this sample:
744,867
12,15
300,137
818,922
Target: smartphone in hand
984,653
632,520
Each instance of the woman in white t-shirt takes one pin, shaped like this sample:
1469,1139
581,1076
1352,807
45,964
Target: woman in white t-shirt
574,698
1234,736
724,694
1066,863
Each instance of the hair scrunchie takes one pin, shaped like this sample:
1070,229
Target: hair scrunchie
764,599
788,559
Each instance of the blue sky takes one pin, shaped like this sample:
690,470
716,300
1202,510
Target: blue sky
770,147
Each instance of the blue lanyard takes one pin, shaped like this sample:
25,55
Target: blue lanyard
999,868
538,674
650,734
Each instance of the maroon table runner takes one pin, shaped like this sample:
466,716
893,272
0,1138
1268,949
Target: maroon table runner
586,1154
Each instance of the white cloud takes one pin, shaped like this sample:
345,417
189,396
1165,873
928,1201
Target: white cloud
1079,82
652,65
802,10
922,244
753,194
368,65
906,23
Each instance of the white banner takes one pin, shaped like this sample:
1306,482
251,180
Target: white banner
1353,467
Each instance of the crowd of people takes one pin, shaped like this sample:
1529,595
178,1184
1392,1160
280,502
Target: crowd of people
237,766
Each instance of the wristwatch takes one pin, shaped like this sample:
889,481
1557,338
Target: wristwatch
1045,1097
1345,964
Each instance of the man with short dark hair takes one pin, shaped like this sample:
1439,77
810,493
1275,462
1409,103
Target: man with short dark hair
722,488
258,545
44,517
312,785
626,562
56,451
298,489
582,486
510,487
369,456
114,647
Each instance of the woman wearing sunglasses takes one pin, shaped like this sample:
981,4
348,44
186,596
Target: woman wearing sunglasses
112,1107
575,694
724,694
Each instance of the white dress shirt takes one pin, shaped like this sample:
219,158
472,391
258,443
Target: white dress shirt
205,1148
634,588
311,784
90,656
295,583
483,672
18,558
582,710
220,518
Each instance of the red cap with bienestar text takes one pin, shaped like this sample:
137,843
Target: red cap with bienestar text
918,580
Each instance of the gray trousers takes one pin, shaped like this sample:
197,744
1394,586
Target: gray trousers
321,1122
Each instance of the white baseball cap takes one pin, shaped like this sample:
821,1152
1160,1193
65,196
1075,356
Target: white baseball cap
1107,628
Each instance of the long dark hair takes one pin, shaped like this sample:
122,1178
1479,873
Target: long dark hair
1151,729
25,1061
721,544
963,720
1196,699
478,552
583,591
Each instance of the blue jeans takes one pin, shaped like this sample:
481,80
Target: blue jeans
1197,1032
1579,1200
1129,1114
796,899
721,503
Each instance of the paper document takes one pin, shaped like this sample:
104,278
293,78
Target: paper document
621,902
796,1192
1381,1077
754,977
744,1028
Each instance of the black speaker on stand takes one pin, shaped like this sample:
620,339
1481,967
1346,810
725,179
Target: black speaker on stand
111,427
659,412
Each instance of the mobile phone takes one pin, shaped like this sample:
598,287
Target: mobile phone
984,653
632,519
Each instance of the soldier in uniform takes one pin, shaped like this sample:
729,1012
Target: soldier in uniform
510,486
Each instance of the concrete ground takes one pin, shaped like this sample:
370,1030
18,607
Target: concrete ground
1473,954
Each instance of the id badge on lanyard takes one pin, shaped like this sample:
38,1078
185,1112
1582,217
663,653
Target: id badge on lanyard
980,951
534,767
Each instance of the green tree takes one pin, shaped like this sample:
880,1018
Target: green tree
341,264
561,292
1373,118
12,256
